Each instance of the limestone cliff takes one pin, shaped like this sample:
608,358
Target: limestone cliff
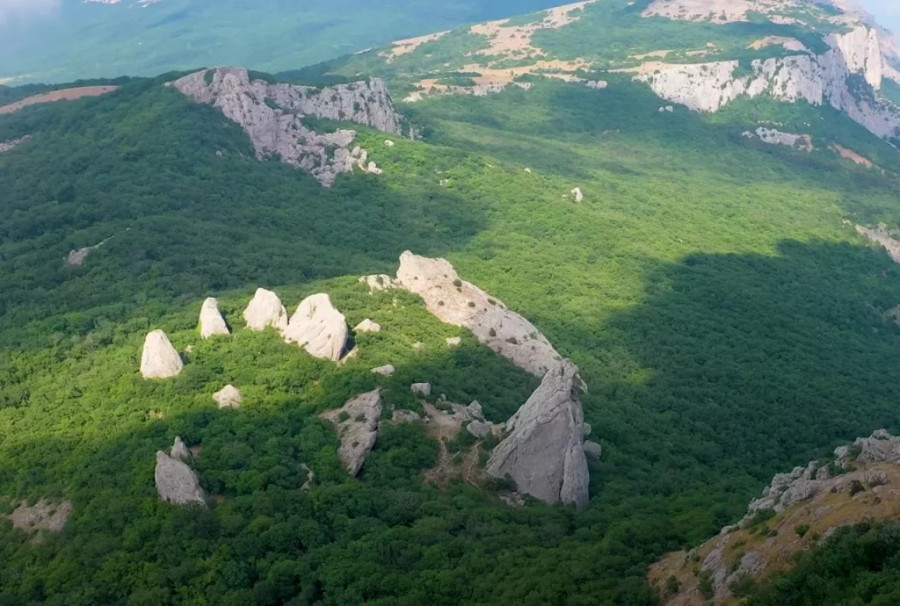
272,116
848,77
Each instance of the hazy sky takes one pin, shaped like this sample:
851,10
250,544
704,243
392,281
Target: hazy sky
886,11
12,9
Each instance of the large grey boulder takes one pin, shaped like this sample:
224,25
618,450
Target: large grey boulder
460,303
543,450
357,425
265,309
176,482
229,397
211,321
180,451
159,360
318,328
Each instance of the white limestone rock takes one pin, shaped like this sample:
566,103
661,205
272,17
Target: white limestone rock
421,389
479,429
404,416
386,371
357,425
592,449
265,309
378,282
272,116
453,341
463,304
177,483
180,451
211,321
229,397
367,325
543,450
318,328
577,194
159,360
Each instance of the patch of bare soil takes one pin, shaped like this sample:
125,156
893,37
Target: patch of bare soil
66,94
511,40
457,466
43,515
849,154
403,47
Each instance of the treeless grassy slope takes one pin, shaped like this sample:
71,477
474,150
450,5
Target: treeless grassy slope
66,94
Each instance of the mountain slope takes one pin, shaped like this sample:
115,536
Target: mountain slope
725,314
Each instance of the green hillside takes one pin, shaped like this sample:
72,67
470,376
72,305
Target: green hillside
726,320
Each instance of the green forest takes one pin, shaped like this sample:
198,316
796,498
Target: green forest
728,322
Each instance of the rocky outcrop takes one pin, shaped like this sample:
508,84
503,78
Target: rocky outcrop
479,429
10,145
378,282
888,239
463,304
367,325
592,449
421,389
318,328
847,77
272,116
774,136
404,416
43,515
229,397
176,482
386,371
265,309
180,451
543,448
866,487
577,194
211,321
357,425
159,360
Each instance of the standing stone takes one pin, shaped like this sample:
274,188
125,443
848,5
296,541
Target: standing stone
159,360
211,320
265,309
229,397
318,328
543,450
176,482
357,425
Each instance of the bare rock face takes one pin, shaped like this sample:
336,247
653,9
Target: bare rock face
229,397
888,240
543,449
318,328
176,482
837,77
357,425
265,309
367,325
211,320
593,449
159,359
463,304
479,429
272,116
180,451
774,136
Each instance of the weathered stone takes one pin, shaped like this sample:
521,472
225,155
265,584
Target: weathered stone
479,429
387,370
405,416
378,282
43,515
265,309
367,325
454,341
229,397
357,425
543,450
318,328
460,303
159,360
592,449
577,195
272,116
421,389
211,320
180,451
176,482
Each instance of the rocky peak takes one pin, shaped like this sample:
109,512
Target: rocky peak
272,116
543,451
